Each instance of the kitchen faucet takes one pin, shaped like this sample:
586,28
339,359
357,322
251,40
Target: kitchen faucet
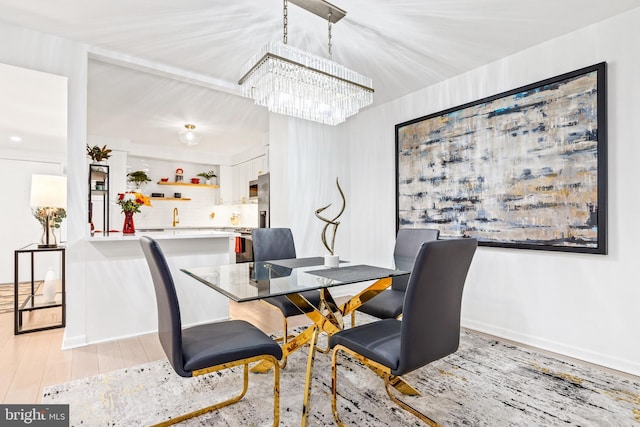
176,219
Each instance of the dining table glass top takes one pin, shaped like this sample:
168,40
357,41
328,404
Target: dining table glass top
257,280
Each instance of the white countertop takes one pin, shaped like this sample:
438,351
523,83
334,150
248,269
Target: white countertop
181,233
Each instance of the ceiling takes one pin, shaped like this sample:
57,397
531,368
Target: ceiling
33,111
402,45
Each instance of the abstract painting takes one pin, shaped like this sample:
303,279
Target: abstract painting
522,169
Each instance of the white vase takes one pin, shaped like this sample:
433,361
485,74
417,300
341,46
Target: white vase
331,260
50,285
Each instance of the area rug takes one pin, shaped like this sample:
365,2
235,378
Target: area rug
485,383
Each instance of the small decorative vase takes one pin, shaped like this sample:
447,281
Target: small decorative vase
51,241
50,285
128,227
331,260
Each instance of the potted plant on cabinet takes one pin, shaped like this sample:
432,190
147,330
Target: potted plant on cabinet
138,178
98,154
208,176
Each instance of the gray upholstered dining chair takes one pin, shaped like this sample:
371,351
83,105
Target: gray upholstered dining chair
274,244
210,347
430,325
388,304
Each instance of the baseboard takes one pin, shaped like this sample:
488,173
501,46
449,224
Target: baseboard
589,356
204,322
69,343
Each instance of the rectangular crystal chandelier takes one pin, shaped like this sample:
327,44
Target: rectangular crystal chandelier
296,83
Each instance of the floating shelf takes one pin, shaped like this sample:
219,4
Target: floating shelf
183,199
189,184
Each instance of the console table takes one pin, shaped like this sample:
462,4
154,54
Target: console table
33,301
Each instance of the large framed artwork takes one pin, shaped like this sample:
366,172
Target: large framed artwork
523,169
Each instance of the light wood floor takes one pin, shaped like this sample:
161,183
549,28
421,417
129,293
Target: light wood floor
30,362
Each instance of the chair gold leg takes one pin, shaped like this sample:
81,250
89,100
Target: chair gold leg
398,383
388,386
276,390
353,318
390,382
334,387
285,337
323,350
276,393
295,344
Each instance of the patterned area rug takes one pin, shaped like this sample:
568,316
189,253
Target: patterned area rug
486,383
6,294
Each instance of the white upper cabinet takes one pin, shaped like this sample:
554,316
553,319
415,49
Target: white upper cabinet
242,174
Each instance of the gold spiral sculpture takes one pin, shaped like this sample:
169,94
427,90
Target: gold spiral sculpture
331,222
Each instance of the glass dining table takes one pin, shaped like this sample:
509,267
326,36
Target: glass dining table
257,280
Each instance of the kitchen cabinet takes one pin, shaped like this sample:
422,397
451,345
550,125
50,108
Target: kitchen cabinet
240,184
242,174
260,165
226,185
256,167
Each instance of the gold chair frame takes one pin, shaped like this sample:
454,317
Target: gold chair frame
390,382
266,359
285,337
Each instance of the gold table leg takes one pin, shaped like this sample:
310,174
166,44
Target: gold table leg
320,322
307,382
329,318
365,295
334,315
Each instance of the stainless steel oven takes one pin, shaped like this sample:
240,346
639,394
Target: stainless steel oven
244,247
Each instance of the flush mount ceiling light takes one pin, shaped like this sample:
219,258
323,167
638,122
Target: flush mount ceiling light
188,136
296,83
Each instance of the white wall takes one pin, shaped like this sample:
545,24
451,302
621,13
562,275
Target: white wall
19,227
305,158
584,306
29,49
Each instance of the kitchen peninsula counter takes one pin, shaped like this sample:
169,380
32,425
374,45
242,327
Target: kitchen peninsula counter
120,297
176,233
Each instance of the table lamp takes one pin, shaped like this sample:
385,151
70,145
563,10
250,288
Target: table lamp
48,192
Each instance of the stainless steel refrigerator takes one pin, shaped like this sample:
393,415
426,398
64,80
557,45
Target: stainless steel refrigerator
263,200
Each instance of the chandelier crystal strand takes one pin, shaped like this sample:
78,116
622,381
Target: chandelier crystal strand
297,83
290,81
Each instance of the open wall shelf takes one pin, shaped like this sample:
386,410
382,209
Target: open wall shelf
98,194
189,184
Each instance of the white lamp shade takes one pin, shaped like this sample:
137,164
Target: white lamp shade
49,191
